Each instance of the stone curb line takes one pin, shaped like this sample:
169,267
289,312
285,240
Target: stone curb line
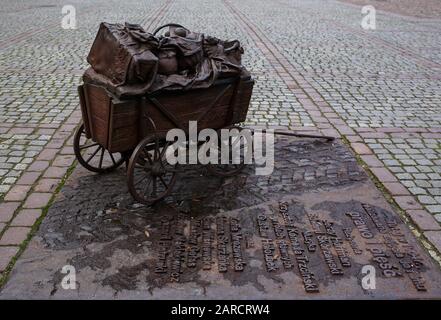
23,204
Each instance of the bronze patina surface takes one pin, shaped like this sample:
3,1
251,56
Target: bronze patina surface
129,61
305,232
141,85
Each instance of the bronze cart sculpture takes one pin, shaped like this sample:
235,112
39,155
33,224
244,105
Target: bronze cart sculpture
142,85
133,129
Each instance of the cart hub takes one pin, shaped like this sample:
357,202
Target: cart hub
157,169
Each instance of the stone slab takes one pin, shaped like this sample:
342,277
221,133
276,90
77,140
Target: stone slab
305,232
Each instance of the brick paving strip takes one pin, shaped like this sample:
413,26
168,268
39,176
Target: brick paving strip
24,205
330,123
8,42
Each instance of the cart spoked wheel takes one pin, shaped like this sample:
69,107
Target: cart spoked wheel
150,177
232,166
93,156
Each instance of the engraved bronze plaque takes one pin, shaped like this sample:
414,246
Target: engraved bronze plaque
316,228
287,249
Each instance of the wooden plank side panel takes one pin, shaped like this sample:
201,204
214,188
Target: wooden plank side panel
119,126
123,127
242,102
188,106
162,123
84,113
98,107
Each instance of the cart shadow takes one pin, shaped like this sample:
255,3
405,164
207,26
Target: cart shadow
99,208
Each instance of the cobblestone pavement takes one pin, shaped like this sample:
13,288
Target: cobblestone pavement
381,92
316,70
41,65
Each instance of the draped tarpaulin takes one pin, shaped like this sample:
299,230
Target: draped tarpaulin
129,61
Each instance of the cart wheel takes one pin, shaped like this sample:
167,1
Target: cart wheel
228,169
93,156
149,176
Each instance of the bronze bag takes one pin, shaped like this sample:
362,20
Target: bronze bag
122,53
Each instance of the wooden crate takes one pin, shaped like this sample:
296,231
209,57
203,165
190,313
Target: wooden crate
240,106
111,122
209,107
119,125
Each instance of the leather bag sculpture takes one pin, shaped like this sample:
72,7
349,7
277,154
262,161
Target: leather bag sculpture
131,62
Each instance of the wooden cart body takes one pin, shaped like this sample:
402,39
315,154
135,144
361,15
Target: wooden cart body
119,125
